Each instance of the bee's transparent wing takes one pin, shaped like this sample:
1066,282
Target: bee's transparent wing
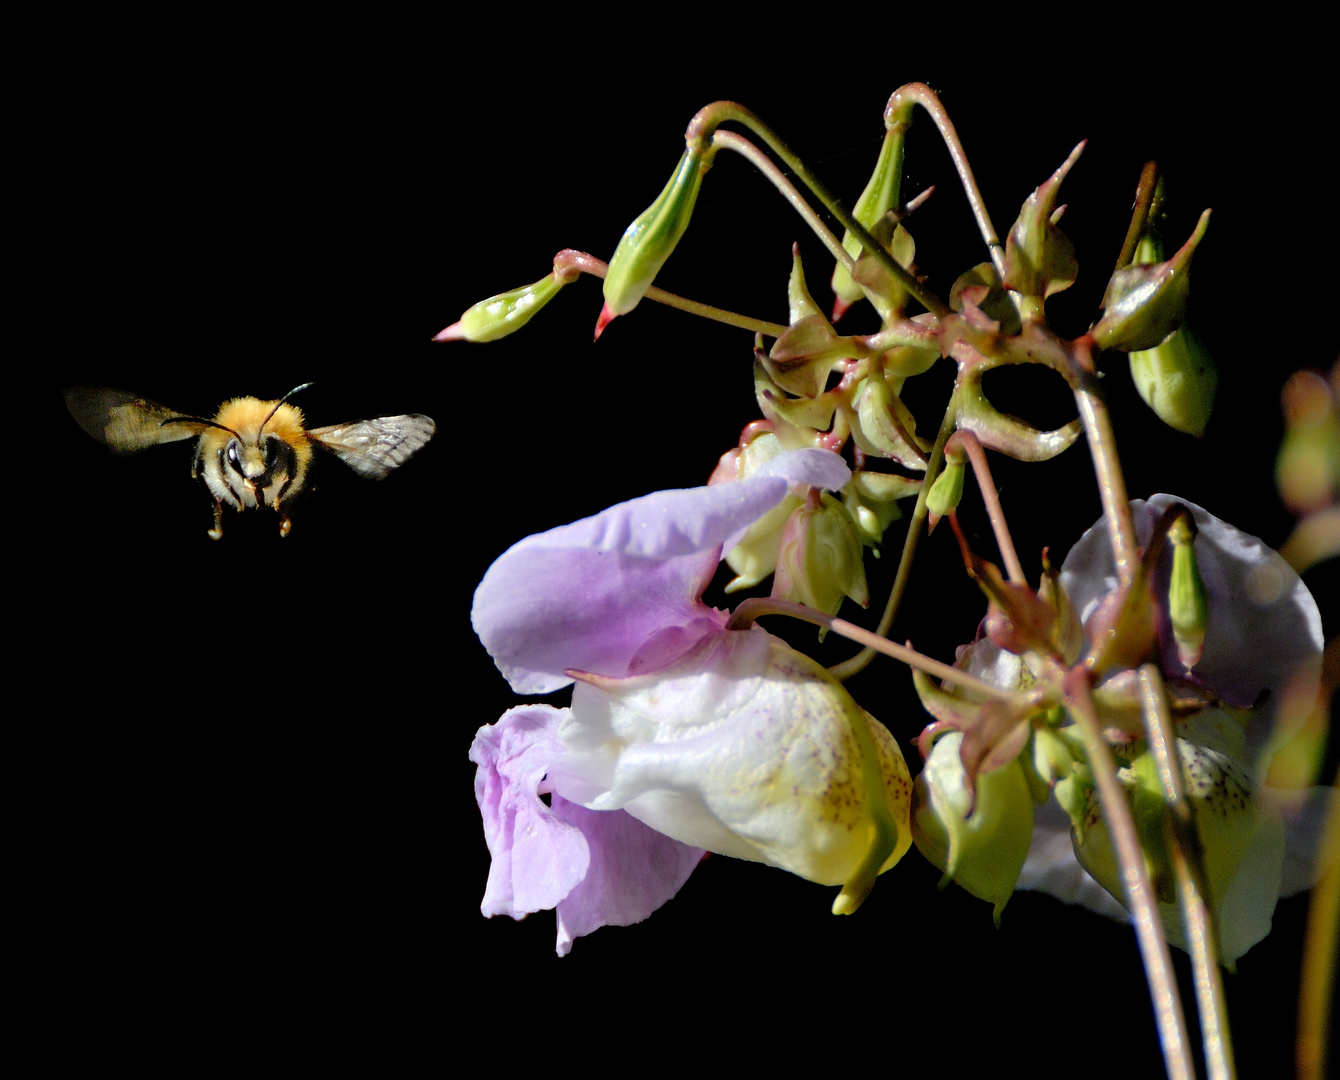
373,448
126,422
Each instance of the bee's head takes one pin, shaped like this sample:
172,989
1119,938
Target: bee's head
260,449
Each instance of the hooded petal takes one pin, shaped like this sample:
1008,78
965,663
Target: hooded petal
744,747
619,591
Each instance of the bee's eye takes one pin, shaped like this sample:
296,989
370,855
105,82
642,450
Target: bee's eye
233,459
273,446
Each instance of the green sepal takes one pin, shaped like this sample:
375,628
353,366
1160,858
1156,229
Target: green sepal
878,198
1145,302
1039,258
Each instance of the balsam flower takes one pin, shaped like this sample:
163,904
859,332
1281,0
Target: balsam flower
1263,630
682,735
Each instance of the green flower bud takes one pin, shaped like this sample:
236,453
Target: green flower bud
947,490
984,852
1188,604
649,240
819,561
503,314
1177,378
878,198
871,498
1039,258
884,425
1145,302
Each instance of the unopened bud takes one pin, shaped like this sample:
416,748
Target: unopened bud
984,852
1188,603
503,314
649,240
1177,378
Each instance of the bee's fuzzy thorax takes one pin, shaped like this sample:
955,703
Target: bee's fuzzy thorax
245,415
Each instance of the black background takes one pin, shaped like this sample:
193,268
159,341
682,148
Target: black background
248,811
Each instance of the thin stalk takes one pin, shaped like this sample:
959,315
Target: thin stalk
702,128
1103,448
973,448
569,259
728,140
900,105
758,606
1189,865
1135,879
858,663
1144,204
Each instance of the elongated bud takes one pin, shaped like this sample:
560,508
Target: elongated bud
649,240
1145,302
503,314
1188,604
878,198
947,490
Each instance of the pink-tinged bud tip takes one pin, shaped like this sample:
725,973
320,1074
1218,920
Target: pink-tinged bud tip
451,333
840,307
607,316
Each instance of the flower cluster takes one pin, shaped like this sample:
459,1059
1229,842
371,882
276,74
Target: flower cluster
683,736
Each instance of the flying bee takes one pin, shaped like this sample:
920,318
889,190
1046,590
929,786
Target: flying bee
253,453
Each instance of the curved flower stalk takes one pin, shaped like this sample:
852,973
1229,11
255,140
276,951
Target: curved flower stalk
683,736
1263,630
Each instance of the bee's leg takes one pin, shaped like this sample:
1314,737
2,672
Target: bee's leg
284,524
216,533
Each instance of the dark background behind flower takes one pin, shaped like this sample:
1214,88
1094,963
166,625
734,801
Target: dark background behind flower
250,811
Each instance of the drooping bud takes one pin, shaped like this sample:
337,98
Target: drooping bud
503,314
1188,603
1146,302
947,490
885,426
872,501
819,560
878,198
984,850
649,240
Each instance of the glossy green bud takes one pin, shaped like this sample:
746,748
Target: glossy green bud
984,852
1177,379
1146,301
505,313
876,200
649,240
1188,604
1039,258
947,490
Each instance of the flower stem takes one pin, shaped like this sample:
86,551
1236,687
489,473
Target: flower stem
569,259
858,663
973,448
1135,878
1189,865
758,606
702,128
899,109
1103,447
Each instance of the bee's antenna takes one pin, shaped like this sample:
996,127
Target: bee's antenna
281,401
197,420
